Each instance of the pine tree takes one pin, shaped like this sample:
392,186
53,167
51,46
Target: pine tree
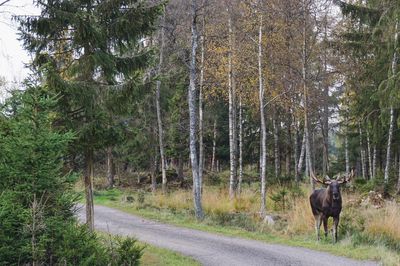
103,39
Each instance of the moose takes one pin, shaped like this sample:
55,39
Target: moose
327,202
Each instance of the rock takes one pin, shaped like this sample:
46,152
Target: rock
269,220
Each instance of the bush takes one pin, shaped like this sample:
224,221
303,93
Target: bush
127,252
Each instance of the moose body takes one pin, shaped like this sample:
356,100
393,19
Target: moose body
327,202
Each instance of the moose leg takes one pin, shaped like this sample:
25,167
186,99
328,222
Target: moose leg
317,224
325,221
335,226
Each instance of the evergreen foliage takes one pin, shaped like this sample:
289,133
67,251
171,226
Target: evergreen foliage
37,223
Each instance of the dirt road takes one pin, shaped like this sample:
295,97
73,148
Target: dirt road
208,248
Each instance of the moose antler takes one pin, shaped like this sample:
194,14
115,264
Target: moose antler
346,178
324,182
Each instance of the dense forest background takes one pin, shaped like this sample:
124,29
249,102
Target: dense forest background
203,92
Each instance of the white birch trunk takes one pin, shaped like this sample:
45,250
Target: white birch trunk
232,117
374,162
362,153
387,166
369,155
301,158
394,71
305,99
201,143
263,156
159,119
193,116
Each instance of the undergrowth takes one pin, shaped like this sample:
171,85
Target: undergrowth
373,232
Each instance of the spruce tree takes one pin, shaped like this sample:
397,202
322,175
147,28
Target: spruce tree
90,53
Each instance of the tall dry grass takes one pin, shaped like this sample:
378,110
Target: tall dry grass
300,219
384,222
214,200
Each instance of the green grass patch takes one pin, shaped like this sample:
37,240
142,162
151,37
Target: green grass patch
155,256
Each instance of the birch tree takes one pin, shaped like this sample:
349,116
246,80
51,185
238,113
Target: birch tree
263,129
193,114
232,112
158,108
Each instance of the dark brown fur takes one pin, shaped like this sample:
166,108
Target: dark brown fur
323,206
327,202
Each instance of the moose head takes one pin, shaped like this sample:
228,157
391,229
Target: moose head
327,202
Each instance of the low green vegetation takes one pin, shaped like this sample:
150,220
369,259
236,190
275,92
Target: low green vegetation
37,223
154,256
368,230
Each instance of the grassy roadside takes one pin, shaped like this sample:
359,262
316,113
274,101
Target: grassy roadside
155,256
120,200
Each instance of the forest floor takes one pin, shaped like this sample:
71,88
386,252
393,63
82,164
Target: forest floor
210,248
367,232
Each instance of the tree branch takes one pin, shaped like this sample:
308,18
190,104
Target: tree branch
4,2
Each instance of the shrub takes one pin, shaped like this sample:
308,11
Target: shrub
126,253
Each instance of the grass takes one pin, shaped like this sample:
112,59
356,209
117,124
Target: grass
154,256
365,235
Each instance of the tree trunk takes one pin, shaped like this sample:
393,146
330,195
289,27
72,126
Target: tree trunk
276,146
214,145
374,162
88,180
369,155
346,153
263,156
193,116
362,153
159,119
398,177
288,147
389,142
305,99
201,143
110,167
301,158
232,117
325,116
295,153
240,147
393,73
325,147
154,170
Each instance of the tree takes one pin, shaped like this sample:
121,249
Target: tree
193,114
103,38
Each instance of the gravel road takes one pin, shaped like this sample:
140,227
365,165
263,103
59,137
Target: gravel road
208,248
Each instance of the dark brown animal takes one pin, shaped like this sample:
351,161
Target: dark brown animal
327,202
